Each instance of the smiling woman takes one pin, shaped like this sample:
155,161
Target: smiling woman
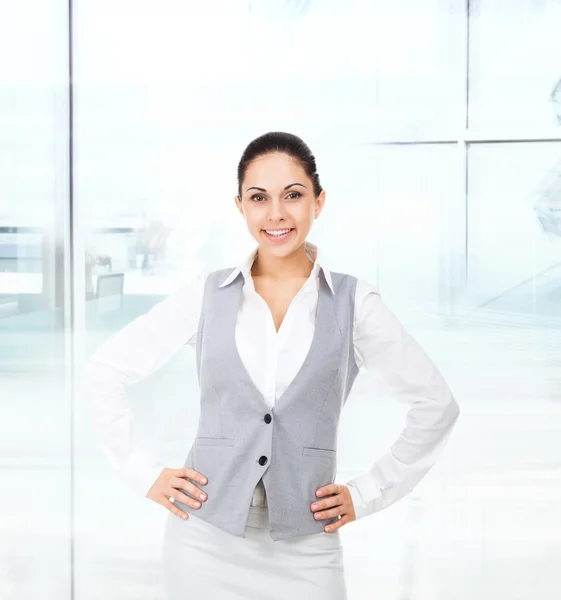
279,196
277,396
282,167
279,341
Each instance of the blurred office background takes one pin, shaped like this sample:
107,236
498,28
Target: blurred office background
436,125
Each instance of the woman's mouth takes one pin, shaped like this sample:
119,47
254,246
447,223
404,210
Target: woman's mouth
278,234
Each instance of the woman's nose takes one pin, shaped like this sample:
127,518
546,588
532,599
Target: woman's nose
276,210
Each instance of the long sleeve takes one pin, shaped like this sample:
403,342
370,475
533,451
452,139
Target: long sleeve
383,346
128,356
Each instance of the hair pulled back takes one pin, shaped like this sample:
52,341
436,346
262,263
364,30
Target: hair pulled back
280,141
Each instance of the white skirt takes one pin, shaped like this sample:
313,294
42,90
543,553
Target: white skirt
201,560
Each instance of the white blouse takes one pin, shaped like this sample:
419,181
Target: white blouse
272,359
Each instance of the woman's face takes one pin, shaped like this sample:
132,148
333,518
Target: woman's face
278,195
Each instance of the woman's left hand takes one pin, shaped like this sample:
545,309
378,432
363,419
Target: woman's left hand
339,504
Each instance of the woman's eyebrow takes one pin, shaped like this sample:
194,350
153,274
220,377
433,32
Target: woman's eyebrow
264,190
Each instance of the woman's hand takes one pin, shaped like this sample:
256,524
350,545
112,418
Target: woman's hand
339,504
169,483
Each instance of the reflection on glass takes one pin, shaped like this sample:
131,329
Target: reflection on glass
547,202
510,260
556,100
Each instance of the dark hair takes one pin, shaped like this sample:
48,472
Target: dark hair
280,141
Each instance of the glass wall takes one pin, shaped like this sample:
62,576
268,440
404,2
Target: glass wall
35,399
435,126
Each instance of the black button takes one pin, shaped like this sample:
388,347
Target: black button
263,460
267,418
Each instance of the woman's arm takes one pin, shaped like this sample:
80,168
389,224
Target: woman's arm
383,346
132,354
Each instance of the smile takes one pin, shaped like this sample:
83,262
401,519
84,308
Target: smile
279,234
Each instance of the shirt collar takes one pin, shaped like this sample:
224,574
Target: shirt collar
245,265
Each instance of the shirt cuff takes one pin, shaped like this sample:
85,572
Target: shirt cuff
364,490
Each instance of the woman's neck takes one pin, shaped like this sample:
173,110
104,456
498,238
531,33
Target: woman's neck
282,268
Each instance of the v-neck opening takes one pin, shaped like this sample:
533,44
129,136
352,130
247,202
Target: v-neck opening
270,312
271,318
315,340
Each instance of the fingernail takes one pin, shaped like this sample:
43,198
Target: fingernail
203,479
314,506
319,493
202,496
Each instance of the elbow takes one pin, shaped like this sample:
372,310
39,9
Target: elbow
455,405
454,409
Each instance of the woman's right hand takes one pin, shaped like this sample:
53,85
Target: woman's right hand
169,483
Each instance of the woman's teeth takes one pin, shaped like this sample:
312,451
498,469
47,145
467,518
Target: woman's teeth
281,233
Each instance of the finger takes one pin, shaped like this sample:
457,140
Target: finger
182,484
177,495
328,514
326,490
327,503
191,474
172,508
334,526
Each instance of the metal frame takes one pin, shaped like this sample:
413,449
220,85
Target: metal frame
455,269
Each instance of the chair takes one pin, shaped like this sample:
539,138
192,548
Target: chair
109,292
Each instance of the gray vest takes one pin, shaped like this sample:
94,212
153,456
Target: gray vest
240,440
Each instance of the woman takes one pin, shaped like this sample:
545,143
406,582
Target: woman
279,340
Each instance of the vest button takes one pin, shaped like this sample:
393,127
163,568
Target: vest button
267,418
263,460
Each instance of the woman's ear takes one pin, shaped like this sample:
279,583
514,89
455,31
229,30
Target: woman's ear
239,205
320,201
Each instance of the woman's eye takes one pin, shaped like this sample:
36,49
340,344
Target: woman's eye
255,196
